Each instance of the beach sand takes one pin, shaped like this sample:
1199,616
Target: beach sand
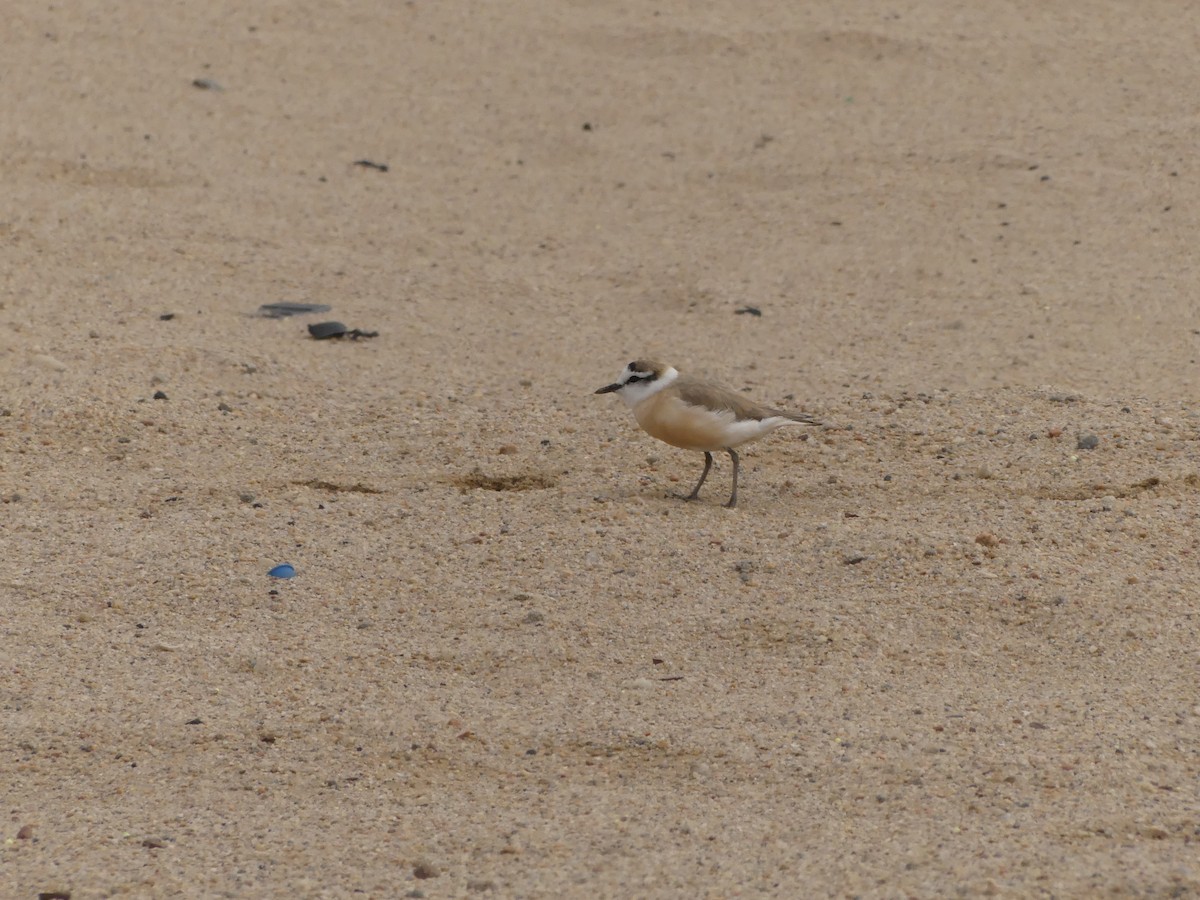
947,645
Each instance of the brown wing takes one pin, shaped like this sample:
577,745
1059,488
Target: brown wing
714,396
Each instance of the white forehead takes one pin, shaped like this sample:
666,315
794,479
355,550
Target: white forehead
634,392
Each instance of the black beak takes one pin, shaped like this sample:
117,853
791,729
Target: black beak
609,388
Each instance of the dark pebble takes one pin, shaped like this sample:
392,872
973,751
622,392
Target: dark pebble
283,310
426,870
323,330
1087,442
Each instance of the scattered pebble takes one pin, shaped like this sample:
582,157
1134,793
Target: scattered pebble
283,570
283,310
321,331
424,869
206,84
159,395
1087,442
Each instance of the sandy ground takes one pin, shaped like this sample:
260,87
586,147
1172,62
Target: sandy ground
948,645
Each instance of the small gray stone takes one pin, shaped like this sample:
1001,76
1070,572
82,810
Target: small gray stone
1087,442
745,569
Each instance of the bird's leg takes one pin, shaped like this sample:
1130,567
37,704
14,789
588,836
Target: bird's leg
707,465
733,497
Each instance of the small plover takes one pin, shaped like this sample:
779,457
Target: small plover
696,415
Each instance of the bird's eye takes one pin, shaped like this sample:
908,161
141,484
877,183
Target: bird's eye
634,379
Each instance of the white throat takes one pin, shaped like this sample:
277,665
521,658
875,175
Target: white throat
635,393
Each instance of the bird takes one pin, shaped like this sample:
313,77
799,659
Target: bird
696,415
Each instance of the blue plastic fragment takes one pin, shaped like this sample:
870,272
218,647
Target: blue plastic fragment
283,570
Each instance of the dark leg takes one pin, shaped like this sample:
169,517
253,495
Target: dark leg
733,497
707,465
